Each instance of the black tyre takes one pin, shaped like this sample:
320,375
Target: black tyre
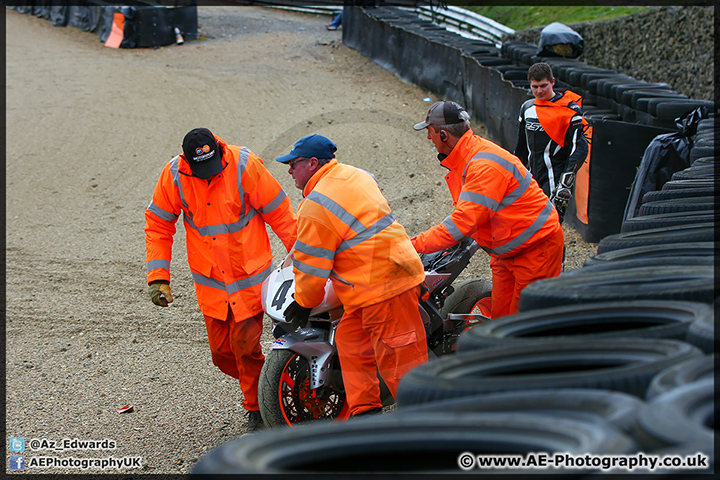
640,101
702,161
682,415
689,183
468,295
654,252
285,395
699,151
411,443
670,110
684,373
659,195
707,171
641,318
662,220
678,205
620,364
617,408
647,283
694,232
689,261
701,333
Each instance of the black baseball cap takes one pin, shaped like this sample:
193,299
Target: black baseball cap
443,113
202,153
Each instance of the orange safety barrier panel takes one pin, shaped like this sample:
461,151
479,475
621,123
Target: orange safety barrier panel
116,34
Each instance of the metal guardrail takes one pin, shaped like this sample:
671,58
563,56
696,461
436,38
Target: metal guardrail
455,19
464,22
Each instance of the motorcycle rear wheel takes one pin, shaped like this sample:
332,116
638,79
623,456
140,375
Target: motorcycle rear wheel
285,395
468,296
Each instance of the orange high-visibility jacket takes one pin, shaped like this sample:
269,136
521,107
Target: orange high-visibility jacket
228,248
346,232
497,202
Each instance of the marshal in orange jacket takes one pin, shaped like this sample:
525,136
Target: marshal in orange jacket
346,232
497,202
228,248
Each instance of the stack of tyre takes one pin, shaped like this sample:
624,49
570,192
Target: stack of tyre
606,93
626,341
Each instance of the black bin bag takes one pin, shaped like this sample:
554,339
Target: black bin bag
666,154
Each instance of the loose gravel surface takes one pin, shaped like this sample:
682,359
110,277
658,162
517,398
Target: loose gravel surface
88,131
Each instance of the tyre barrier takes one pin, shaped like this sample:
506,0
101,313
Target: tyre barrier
691,183
427,442
145,24
684,373
621,364
701,333
667,261
687,204
592,405
653,252
662,220
680,416
693,232
644,283
630,319
659,195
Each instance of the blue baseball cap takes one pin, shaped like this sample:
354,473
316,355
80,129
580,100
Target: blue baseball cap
311,146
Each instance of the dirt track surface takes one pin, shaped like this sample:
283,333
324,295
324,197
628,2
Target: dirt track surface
88,131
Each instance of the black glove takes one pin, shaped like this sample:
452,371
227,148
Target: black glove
297,315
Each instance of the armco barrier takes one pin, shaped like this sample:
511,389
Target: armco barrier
468,72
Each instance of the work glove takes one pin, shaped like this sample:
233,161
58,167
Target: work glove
160,293
297,315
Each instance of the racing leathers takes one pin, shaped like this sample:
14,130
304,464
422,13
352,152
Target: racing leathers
551,139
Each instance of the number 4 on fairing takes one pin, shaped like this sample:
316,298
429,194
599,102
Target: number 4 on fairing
279,299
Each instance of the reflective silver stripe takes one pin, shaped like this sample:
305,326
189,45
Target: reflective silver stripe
272,205
235,286
334,208
175,171
314,251
310,270
250,281
525,235
523,181
207,281
453,230
548,165
482,200
161,263
367,233
222,228
243,156
164,214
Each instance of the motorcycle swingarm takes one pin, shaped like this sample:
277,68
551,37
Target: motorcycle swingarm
312,345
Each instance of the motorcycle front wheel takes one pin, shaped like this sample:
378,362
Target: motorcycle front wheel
285,395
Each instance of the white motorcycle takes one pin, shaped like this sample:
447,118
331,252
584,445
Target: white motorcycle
301,380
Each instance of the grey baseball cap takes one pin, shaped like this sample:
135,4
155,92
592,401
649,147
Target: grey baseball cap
444,113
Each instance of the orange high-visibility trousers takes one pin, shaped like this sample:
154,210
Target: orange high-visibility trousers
236,351
511,275
387,337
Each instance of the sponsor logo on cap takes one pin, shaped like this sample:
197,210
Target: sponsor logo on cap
203,153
